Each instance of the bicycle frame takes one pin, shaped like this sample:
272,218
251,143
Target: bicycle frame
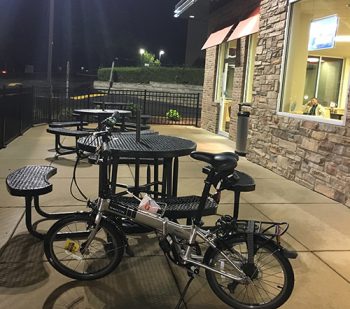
165,226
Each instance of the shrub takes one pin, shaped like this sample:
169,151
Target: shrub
173,114
150,59
193,76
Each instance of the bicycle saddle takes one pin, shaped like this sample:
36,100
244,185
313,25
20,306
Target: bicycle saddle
225,161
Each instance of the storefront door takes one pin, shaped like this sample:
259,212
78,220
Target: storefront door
226,97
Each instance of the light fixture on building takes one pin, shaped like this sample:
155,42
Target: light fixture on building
182,6
191,16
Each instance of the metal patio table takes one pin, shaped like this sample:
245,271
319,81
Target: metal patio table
150,146
103,114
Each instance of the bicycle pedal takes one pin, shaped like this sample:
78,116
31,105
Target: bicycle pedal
193,271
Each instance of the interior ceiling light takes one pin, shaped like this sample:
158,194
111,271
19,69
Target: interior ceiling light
342,38
313,59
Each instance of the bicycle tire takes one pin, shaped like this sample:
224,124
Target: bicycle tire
230,292
65,239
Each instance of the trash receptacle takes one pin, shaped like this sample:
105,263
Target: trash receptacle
242,129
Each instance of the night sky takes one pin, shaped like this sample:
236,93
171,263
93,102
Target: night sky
89,33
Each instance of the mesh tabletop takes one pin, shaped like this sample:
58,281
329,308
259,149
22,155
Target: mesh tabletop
150,146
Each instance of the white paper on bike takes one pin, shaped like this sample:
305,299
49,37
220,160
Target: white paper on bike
148,204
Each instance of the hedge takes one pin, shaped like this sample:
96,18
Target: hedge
193,76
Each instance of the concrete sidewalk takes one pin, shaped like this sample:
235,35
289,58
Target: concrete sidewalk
319,231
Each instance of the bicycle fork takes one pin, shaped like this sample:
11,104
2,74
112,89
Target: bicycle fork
101,205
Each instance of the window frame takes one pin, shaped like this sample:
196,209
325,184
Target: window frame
250,62
282,79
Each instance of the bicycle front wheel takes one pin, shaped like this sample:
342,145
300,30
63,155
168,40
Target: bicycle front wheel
65,243
271,276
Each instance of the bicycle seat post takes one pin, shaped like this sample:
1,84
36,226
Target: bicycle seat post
205,194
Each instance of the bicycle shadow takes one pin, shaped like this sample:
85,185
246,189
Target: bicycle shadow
21,260
139,282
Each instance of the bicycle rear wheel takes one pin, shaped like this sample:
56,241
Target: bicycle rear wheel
272,277
64,247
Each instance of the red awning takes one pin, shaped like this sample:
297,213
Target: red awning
247,26
217,38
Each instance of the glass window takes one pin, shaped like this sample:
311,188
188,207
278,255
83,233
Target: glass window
316,74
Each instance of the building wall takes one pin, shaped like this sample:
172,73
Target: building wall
315,155
196,37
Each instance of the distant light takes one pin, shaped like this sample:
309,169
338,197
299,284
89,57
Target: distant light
3,72
82,68
161,53
313,59
141,51
191,16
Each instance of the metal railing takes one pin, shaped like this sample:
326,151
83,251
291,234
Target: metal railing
22,107
61,105
16,113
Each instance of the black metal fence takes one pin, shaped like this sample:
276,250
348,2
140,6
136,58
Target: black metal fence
16,113
21,107
61,104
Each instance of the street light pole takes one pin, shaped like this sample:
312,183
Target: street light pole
161,53
141,52
50,43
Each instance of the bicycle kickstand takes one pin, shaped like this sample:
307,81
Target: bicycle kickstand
182,296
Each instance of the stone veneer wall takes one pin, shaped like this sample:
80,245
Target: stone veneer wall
315,155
